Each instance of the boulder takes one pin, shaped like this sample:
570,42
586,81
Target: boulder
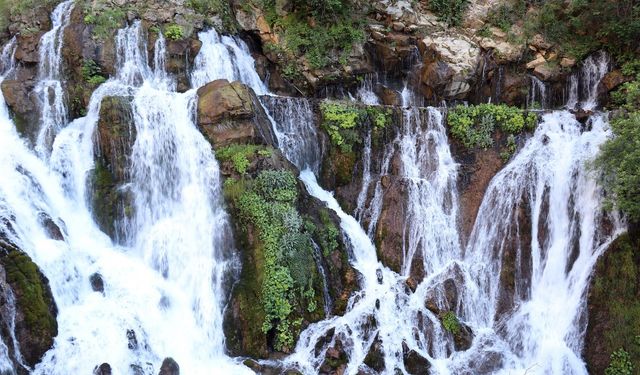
24,288
169,367
450,64
414,362
546,72
230,113
103,369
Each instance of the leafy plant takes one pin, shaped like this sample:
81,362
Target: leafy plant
449,11
620,364
450,323
341,121
92,73
474,125
174,32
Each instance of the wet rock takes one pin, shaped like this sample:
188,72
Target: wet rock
612,80
97,284
335,359
35,309
229,113
389,235
546,72
514,88
132,341
103,369
169,367
50,227
388,96
379,275
22,103
180,56
375,357
414,363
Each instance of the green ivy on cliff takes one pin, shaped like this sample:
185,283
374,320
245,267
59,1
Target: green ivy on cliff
344,122
619,158
267,203
474,125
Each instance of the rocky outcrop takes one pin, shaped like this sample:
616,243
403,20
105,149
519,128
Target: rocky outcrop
25,300
233,121
612,305
450,63
116,135
230,113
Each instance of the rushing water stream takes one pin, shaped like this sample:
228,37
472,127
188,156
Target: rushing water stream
164,279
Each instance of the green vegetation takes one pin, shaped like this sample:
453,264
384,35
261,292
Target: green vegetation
474,125
450,322
16,8
614,297
92,73
317,30
105,19
266,205
620,364
449,11
31,296
214,7
619,158
575,27
174,32
343,122
239,155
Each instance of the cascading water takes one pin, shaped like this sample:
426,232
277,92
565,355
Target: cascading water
49,88
583,84
538,93
163,291
225,57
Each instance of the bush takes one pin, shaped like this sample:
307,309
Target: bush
92,73
450,323
450,12
620,364
174,32
474,125
105,19
342,122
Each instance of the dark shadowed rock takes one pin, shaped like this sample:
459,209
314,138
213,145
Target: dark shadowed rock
97,284
375,357
103,369
414,363
132,341
169,367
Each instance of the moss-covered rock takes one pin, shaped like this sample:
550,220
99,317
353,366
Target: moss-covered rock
614,305
116,136
35,309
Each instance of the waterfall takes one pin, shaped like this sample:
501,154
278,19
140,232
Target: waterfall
50,89
294,126
538,93
163,289
548,190
583,84
227,58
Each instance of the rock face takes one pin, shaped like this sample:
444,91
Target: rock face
229,113
24,288
613,308
233,121
116,136
450,63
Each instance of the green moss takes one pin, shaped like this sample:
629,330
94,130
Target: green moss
450,323
614,293
32,298
474,125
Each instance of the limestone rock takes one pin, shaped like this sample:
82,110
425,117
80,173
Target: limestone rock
539,60
450,63
567,62
546,72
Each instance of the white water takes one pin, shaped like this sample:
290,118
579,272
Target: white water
225,57
166,286
50,89
583,84
538,93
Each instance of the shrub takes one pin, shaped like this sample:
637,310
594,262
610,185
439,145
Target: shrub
450,12
92,73
239,155
174,32
450,323
342,122
474,125
620,364
105,20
